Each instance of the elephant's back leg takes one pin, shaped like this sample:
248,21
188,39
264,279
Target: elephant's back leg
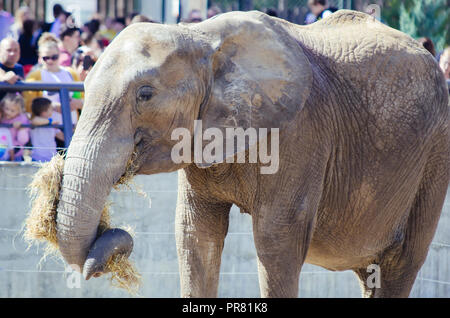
399,264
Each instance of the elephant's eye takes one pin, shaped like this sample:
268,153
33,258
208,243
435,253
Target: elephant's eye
144,93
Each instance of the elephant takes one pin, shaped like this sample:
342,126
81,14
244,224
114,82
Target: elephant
361,112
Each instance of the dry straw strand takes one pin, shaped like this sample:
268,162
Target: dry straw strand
40,225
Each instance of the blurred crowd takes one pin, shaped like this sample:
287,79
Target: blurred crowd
57,52
61,52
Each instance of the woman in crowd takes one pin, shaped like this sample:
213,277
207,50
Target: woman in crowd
52,72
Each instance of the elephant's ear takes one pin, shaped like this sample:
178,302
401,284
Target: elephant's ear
261,77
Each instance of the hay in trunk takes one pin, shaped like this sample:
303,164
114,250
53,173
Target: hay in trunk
40,225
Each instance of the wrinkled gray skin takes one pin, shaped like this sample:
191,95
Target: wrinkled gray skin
364,144
111,242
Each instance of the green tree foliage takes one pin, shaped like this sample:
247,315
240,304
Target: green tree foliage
391,11
420,18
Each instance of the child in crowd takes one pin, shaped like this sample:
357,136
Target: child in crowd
6,147
43,139
12,106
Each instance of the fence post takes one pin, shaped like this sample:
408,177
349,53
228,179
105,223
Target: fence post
66,115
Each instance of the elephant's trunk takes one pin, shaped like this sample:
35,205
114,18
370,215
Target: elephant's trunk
111,242
90,170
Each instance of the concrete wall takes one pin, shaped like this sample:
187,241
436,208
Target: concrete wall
155,253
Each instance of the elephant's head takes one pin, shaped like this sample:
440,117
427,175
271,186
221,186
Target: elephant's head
236,70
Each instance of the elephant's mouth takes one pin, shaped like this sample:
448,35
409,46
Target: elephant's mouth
142,149
131,169
152,153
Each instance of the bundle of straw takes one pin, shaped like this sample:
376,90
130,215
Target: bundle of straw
40,225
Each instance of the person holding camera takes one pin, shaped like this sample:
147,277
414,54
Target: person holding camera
83,61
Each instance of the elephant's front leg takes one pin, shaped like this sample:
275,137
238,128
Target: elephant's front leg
281,243
200,229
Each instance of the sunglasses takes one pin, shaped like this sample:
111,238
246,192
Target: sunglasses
53,57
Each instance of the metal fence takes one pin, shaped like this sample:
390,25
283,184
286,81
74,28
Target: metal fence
63,89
